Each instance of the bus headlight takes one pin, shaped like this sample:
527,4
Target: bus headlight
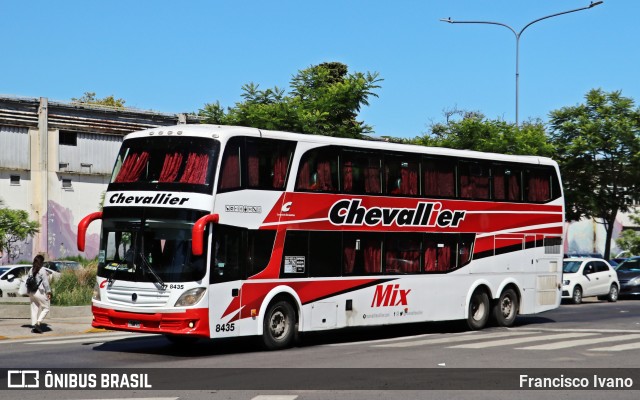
566,282
190,297
96,292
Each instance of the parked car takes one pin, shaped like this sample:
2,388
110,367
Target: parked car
586,277
60,266
11,276
629,277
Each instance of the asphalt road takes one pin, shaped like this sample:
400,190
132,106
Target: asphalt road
414,361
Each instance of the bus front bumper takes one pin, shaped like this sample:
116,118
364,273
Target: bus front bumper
192,321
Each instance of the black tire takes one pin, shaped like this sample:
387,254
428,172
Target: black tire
505,310
279,326
612,297
479,310
180,340
576,296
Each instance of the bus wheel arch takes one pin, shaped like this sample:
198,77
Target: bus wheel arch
479,307
507,306
280,322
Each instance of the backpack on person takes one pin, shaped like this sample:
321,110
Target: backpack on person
32,284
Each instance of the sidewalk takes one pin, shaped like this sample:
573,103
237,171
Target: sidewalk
15,320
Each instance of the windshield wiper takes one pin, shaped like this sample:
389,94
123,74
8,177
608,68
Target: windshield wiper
157,278
118,267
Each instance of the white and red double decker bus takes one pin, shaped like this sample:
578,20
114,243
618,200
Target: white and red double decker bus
215,232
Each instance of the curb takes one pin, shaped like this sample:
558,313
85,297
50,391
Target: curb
24,311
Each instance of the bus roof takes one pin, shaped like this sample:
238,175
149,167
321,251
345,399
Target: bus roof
223,132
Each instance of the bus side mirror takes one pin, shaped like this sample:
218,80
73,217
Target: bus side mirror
83,225
197,233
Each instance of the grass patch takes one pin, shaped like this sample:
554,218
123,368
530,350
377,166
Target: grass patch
74,288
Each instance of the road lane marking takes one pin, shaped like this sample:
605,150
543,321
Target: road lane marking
509,342
580,342
619,347
453,339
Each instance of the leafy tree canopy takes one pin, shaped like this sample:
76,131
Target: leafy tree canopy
90,98
15,227
598,149
473,131
323,100
629,239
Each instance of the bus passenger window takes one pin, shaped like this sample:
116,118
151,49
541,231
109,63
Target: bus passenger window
439,178
318,171
362,254
402,254
360,173
474,181
230,173
506,184
538,186
439,252
268,163
401,176
324,253
260,247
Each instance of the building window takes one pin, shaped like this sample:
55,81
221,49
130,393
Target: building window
66,184
15,180
68,138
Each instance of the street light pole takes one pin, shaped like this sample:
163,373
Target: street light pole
517,35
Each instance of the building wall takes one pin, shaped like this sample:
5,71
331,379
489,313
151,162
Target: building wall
55,163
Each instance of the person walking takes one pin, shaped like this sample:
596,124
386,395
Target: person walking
39,293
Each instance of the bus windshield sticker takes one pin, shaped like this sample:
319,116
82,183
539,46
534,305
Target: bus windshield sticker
294,264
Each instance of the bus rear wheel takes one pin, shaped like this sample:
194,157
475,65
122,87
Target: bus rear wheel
279,325
506,308
478,310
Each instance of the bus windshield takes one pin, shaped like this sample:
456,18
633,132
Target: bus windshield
150,249
166,163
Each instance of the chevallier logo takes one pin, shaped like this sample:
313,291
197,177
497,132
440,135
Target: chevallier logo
350,212
389,296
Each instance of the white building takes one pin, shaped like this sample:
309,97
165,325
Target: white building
55,163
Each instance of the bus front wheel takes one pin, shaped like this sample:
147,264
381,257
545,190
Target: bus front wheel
506,308
478,310
279,325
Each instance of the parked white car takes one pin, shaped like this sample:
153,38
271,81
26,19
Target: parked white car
586,277
11,276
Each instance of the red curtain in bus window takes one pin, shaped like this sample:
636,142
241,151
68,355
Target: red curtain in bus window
347,177
349,259
195,170
304,174
324,176
230,175
280,170
439,180
539,186
372,177
253,169
372,257
514,187
170,168
132,167
474,187
409,183
498,185
444,257
430,257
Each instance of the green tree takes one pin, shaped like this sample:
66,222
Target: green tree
323,100
90,98
629,239
473,131
15,227
598,146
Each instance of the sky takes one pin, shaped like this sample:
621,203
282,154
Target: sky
176,56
